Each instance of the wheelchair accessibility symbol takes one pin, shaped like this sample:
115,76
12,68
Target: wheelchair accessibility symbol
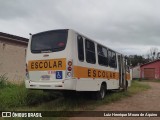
58,74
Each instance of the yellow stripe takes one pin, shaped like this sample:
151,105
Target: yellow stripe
84,72
79,72
128,77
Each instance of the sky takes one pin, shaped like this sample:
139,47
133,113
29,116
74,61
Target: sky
127,26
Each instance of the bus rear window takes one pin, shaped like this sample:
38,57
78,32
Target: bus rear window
50,41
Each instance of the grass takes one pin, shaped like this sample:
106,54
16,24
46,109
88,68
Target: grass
14,96
155,80
137,87
17,97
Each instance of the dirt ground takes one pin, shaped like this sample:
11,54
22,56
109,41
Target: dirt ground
145,101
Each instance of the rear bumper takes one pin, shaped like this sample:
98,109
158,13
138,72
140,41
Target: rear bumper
67,84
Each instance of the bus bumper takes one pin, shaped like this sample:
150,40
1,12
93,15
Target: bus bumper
67,84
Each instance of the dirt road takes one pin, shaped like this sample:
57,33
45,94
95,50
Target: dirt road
145,101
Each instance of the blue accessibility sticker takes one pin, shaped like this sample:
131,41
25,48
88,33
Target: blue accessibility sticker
59,75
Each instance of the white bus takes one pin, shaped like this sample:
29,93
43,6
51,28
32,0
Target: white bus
67,60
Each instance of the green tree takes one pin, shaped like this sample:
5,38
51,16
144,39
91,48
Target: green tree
137,60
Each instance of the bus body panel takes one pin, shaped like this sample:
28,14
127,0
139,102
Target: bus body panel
36,81
94,85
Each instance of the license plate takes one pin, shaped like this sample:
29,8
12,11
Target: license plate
45,77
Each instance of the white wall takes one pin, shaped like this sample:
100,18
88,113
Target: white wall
136,72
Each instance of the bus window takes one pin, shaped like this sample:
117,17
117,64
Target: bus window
90,51
50,41
80,48
112,59
102,55
109,57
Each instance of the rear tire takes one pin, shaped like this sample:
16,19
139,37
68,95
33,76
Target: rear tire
101,93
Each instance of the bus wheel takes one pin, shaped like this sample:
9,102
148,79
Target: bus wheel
101,94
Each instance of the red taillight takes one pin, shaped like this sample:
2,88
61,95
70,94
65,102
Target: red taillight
69,68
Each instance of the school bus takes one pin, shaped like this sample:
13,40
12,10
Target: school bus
67,60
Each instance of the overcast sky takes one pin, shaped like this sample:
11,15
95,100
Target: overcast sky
128,26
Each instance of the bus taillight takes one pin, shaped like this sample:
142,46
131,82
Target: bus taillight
69,63
69,69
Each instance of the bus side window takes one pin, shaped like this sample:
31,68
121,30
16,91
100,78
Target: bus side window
109,57
112,59
80,48
102,55
90,51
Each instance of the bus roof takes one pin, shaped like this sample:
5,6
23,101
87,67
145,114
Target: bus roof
81,35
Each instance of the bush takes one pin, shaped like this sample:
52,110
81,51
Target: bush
12,96
3,80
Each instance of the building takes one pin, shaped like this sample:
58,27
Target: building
12,56
136,72
151,70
